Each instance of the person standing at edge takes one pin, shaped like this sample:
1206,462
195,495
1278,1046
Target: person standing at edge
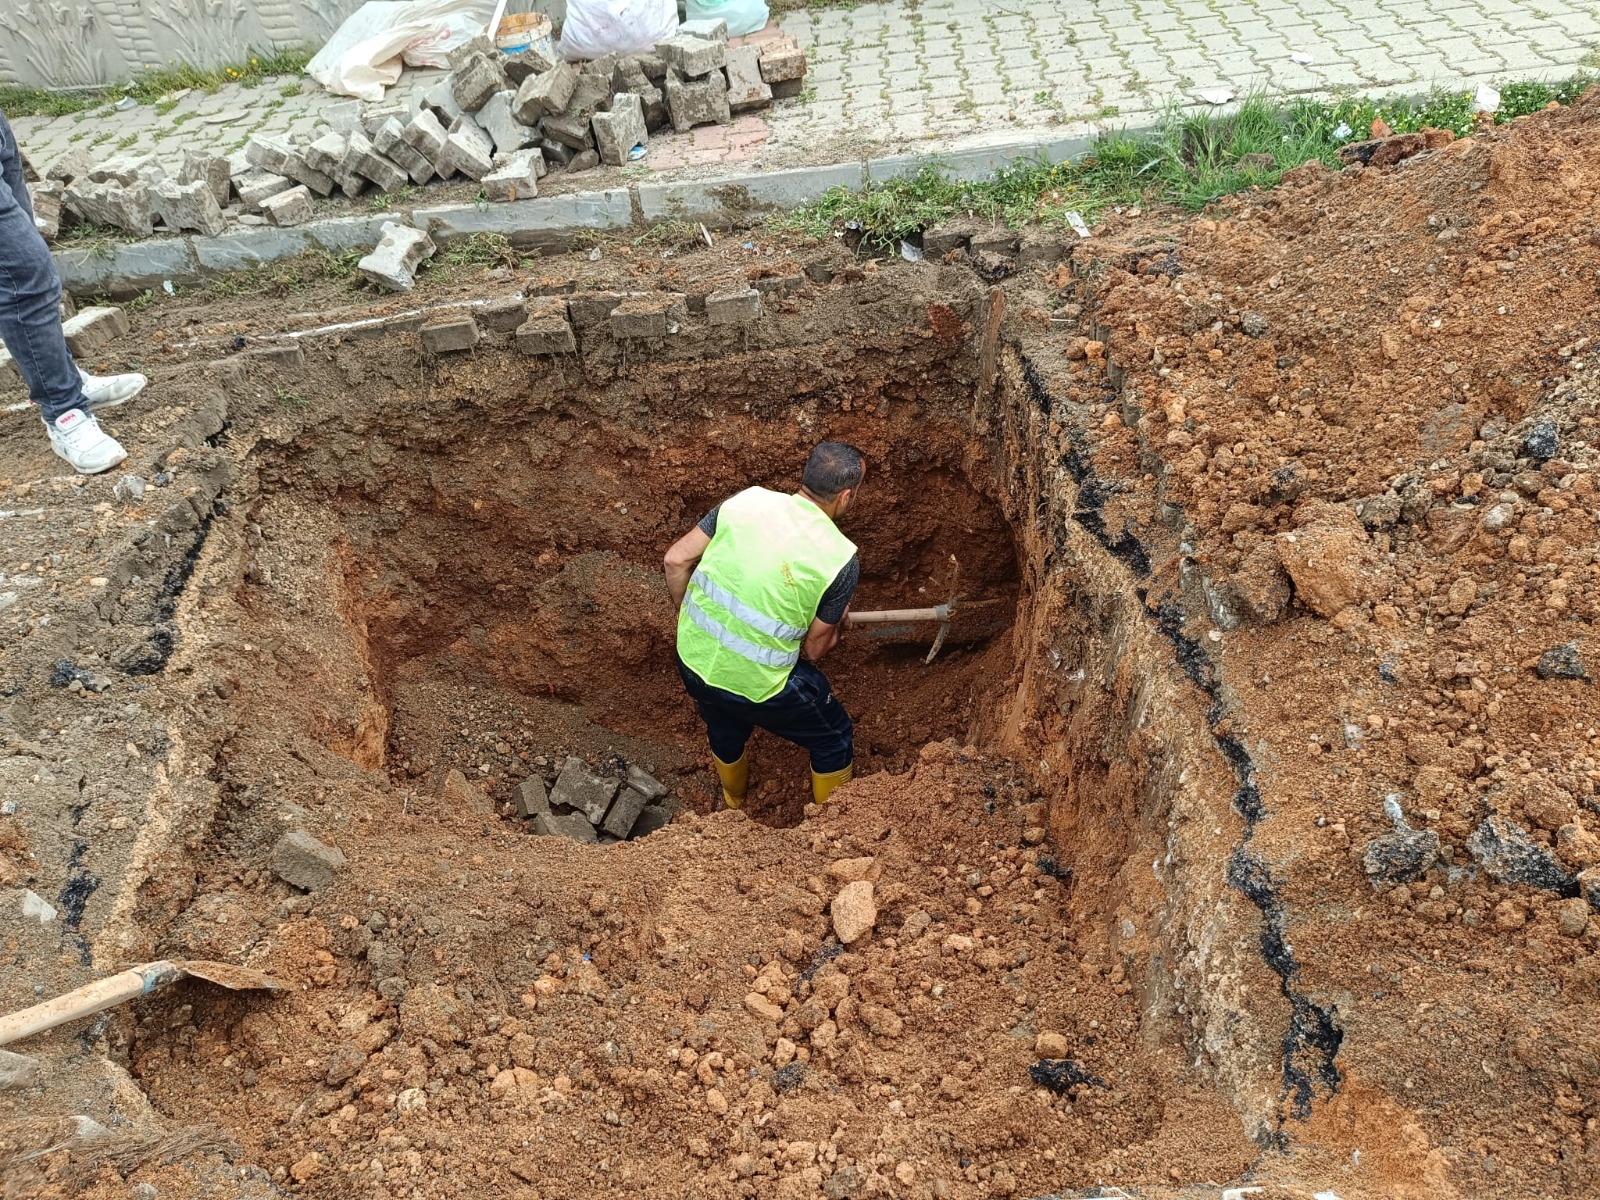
762,586
30,327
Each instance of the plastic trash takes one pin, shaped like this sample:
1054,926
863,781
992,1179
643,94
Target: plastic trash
743,16
36,908
1075,219
1215,95
1301,57
166,286
125,104
636,154
1486,99
909,252
595,28
364,55
1342,130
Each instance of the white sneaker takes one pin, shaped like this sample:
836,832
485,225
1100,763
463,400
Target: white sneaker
108,391
78,438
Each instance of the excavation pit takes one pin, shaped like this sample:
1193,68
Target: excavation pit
502,591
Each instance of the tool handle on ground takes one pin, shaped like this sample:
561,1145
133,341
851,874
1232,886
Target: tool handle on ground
87,1000
892,616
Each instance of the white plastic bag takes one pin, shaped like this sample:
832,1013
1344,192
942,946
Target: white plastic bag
595,28
743,16
363,56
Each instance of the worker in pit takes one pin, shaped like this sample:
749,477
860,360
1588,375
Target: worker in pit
762,585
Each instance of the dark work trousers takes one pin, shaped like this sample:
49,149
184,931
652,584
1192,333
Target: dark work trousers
806,713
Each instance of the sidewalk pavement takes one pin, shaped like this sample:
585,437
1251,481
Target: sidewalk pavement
938,75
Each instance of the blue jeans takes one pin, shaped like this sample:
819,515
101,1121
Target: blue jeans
30,295
806,713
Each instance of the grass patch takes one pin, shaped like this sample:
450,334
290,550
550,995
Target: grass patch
479,250
288,276
671,235
1189,160
385,201
153,85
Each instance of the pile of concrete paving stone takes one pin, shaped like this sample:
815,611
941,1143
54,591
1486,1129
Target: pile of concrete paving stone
500,120
602,805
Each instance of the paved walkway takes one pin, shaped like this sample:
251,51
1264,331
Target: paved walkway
949,73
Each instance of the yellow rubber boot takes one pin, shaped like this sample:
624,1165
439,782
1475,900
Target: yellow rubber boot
735,778
822,785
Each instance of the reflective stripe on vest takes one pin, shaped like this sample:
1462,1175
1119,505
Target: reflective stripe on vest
770,626
730,640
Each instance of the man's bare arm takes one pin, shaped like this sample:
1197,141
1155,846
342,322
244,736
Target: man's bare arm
681,560
822,637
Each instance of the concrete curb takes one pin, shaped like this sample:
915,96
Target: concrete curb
550,223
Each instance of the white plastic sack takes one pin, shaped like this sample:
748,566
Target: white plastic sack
595,28
743,16
363,56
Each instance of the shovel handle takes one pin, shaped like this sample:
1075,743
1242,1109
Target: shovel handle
894,616
87,1000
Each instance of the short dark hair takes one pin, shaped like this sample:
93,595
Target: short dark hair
833,467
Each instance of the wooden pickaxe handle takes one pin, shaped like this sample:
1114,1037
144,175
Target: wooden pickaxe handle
894,616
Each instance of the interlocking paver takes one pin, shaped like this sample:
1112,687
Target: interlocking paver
888,76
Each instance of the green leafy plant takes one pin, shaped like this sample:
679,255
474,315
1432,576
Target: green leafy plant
154,85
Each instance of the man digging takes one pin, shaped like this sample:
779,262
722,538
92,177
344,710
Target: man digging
762,585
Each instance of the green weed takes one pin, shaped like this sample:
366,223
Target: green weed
1189,160
385,201
153,86
291,399
480,250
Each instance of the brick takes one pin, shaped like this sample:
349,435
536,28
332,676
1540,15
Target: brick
212,169
259,186
583,160
75,163
467,149
185,206
393,262
694,57
652,817
327,155
625,810
735,306
531,797
617,132
646,316
112,204
707,29
451,334
504,130
556,153
362,158
344,117
629,76
788,89
545,94
92,329
578,788
474,82
390,140
546,331
127,170
697,102
289,208
375,116
515,179
268,153
441,101
45,199
427,137
645,783
524,64
746,89
589,309
568,825
572,130
502,316
782,61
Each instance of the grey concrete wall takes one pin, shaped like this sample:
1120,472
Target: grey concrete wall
82,43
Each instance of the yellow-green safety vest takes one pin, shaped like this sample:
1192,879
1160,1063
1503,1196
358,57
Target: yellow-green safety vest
755,592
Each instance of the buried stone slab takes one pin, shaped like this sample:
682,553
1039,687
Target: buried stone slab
303,862
734,306
546,331
572,825
450,335
647,316
577,787
393,262
531,797
1507,851
624,812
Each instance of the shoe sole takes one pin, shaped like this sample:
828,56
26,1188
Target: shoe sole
115,402
94,471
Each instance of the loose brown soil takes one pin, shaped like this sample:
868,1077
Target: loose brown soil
1240,498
